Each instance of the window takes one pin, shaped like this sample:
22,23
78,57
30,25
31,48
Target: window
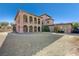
25,28
48,22
38,29
38,21
25,18
35,20
30,19
35,29
30,29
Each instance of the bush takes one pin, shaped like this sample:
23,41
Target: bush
56,29
60,31
45,28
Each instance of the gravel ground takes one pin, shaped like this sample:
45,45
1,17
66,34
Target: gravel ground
65,46
26,44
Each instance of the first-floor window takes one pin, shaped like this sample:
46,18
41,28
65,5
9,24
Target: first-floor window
35,29
38,29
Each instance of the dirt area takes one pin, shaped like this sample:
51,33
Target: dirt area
68,45
2,37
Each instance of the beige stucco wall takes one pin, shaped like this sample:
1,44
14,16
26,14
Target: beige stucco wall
47,20
66,27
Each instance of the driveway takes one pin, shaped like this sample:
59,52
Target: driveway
26,44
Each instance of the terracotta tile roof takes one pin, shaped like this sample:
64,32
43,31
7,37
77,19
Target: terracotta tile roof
25,12
46,15
16,15
61,24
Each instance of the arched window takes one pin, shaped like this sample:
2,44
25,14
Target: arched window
35,20
30,29
38,21
48,22
25,28
38,29
18,20
35,29
30,19
25,18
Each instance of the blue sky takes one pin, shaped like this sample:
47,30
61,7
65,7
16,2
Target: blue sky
61,13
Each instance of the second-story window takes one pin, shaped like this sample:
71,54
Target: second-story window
38,21
35,20
25,18
30,19
18,19
48,22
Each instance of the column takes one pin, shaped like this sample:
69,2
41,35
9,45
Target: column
28,28
28,22
37,24
33,24
40,25
21,23
40,28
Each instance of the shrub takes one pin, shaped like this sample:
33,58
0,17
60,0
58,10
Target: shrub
56,29
60,31
45,28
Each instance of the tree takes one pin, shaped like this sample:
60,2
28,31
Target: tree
56,28
75,25
12,24
3,26
45,28
14,27
4,23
